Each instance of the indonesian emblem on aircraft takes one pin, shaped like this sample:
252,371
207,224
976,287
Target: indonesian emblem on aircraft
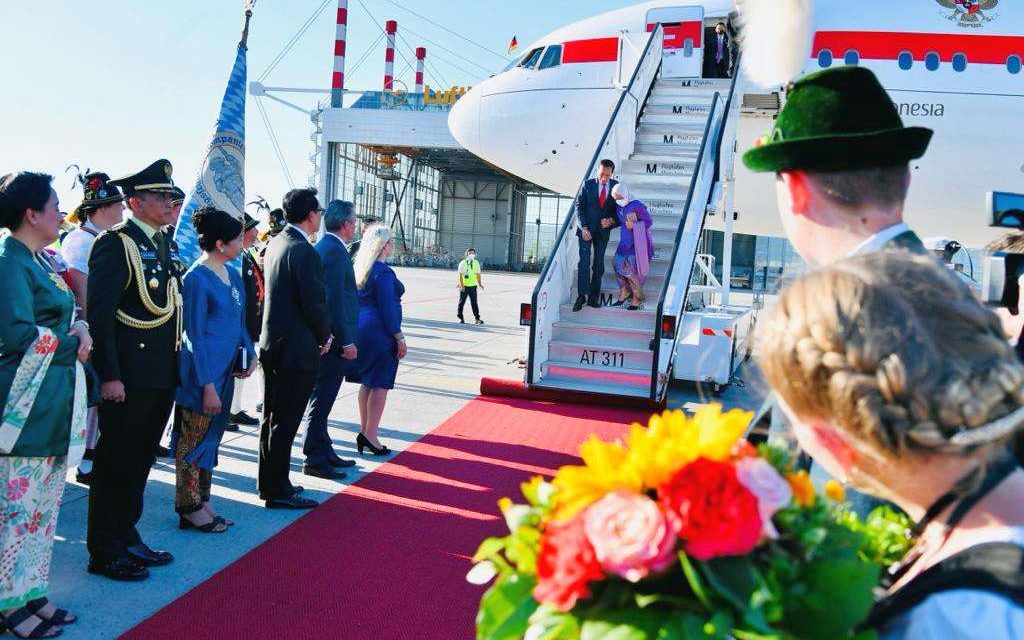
970,13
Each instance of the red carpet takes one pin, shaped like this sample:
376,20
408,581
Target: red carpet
504,388
397,542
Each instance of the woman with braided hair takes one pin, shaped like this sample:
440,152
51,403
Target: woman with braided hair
899,382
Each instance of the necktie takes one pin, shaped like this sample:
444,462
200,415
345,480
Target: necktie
721,42
601,198
161,245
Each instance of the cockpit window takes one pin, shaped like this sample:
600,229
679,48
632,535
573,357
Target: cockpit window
552,57
531,59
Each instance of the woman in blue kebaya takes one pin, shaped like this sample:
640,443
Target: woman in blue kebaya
381,343
216,348
636,248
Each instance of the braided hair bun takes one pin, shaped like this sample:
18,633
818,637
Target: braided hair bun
896,350
212,224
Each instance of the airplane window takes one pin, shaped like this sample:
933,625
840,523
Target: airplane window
931,61
1013,64
959,62
906,60
531,59
824,58
552,57
851,57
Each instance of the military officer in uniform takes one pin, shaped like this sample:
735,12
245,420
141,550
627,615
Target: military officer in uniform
135,312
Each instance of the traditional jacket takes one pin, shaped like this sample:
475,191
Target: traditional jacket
35,296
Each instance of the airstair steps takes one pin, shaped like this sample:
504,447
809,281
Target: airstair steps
610,349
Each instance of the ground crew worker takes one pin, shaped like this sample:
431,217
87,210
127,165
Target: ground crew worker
469,281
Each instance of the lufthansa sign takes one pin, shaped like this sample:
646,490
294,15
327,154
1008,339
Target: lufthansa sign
443,97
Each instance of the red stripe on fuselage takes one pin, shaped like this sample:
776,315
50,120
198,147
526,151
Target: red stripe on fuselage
888,45
676,34
593,50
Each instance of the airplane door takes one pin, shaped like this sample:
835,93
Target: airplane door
683,49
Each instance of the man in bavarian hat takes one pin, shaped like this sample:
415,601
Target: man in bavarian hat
135,312
841,156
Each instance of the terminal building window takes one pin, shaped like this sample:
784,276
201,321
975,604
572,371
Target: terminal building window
531,59
552,57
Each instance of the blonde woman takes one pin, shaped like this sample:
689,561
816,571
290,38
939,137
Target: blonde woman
380,341
899,382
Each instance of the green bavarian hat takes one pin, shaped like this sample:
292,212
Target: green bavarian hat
835,120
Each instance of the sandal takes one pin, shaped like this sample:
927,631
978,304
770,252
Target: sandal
60,617
209,527
224,520
44,629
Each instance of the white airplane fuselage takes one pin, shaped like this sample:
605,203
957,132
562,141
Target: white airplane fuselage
956,71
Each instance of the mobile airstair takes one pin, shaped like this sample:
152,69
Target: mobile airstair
666,136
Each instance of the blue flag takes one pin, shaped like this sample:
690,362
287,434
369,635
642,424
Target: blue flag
221,179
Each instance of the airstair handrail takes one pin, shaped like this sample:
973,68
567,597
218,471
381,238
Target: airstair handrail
715,157
656,36
660,315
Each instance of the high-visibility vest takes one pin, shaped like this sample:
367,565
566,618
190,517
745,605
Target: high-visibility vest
470,270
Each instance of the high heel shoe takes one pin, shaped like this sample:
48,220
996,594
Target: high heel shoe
363,441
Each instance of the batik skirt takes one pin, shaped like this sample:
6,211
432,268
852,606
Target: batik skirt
30,501
627,277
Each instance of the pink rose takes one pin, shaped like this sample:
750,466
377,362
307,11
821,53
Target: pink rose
768,486
17,488
630,535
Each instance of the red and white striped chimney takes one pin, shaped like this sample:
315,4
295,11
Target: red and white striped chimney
391,27
338,77
421,55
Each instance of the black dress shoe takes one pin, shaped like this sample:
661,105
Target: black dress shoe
291,502
593,303
120,569
327,473
342,463
297,489
83,478
163,452
244,419
143,555
231,426
580,301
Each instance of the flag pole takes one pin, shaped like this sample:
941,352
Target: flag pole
244,43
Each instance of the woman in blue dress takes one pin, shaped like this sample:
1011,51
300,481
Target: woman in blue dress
380,341
213,344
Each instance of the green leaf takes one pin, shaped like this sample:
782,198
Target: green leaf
686,626
635,624
506,608
488,548
838,596
548,623
733,578
693,578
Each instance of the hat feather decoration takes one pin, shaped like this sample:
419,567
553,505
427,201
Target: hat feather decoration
776,39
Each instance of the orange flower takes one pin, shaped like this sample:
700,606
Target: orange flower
803,489
835,491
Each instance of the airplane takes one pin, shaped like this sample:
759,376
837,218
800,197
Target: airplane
954,66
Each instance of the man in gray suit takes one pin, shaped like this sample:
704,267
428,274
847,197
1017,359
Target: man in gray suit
343,304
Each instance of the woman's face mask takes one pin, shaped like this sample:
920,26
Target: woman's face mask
471,256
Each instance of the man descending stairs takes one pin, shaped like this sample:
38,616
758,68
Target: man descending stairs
598,348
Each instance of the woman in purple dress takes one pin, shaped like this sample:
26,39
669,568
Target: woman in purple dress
636,248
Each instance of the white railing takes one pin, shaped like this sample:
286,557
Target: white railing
702,194
554,287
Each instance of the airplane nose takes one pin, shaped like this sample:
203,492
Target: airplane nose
464,120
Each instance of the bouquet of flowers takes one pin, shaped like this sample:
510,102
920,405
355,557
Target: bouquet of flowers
685,530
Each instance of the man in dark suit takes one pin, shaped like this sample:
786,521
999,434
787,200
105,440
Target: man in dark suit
343,303
364,221
718,52
595,217
296,332
134,311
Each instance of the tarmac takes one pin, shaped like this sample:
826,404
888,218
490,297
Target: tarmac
439,376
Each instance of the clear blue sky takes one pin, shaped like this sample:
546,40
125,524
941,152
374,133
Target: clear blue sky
116,84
